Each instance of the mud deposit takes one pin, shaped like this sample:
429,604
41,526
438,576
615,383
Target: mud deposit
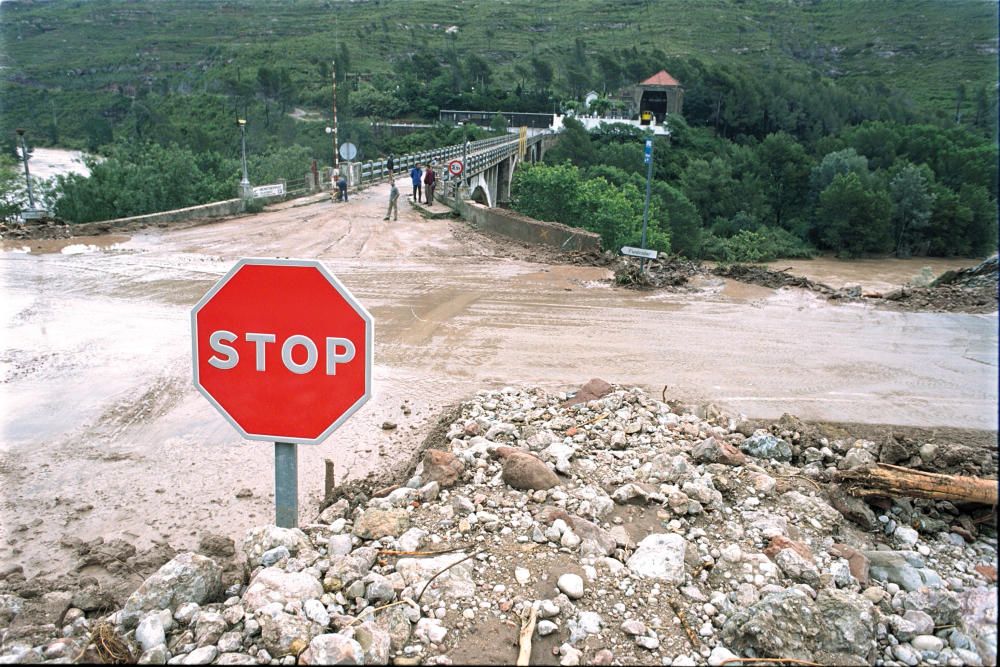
105,436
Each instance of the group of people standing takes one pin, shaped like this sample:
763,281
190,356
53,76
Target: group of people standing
424,182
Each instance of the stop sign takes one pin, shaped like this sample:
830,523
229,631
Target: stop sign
282,350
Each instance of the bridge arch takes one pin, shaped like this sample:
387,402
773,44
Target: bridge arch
481,195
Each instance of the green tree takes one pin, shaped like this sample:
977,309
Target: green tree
574,145
784,167
844,161
912,201
11,189
854,219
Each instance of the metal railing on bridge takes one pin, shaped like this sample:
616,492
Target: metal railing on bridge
501,147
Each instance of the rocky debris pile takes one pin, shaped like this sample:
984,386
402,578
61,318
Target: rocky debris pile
760,275
671,273
628,533
983,274
970,290
44,228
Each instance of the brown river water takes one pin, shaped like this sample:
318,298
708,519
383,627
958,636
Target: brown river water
103,433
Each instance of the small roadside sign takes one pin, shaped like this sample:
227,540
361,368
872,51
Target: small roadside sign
639,252
455,167
276,190
648,153
348,151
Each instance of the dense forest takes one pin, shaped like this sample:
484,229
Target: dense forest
803,128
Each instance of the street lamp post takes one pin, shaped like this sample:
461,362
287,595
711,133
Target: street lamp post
27,174
245,183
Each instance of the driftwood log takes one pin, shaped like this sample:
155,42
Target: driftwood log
884,479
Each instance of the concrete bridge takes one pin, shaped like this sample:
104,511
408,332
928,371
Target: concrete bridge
489,166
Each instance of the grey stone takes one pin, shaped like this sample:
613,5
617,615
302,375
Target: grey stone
785,624
376,523
660,556
155,655
188,577
273,584
848,626
375,642
767,447
455,583
339,545
230,642
904,568
260,539
633,627
284,634
927,643
650,643
201,656
333,649
571,584
922,622
546,628
906,654
797,568
979,621
150,633
272,556
525,471
208,628
235,659
394,622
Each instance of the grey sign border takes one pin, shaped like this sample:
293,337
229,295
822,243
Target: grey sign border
342,290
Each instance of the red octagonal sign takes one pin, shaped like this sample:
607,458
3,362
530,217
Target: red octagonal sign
282,350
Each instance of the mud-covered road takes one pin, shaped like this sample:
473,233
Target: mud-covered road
104,434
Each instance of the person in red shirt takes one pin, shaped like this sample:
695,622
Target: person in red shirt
430,180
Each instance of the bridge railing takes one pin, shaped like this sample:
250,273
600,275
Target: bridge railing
376,170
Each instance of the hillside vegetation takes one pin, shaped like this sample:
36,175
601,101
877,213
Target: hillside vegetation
782,102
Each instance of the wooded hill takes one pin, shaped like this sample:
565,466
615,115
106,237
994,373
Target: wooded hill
74,71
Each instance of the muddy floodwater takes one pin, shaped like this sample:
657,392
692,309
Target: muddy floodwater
104,434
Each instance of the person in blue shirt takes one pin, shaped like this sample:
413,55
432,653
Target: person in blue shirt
415,177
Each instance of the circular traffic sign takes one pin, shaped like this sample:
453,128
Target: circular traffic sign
348,151
282,349
455,167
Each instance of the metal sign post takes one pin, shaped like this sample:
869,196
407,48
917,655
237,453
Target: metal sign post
286,485
648,159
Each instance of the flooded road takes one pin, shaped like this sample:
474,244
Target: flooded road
104,434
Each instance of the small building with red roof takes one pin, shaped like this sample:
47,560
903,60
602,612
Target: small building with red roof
660,94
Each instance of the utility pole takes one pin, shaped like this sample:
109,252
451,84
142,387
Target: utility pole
27,175
245,191
648,157
336,156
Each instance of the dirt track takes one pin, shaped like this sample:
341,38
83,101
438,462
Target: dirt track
99,409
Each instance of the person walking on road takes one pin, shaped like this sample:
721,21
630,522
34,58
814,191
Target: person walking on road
393,202
430,181
389,165
415,177
342,187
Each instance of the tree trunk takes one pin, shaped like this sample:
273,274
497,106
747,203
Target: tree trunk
884,479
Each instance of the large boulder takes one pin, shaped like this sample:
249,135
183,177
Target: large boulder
273,584
527,472
979,621
594,389
782,625
660,556
849,625
441,467
838,628
188,577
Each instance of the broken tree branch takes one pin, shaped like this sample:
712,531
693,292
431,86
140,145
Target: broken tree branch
527,630
882,479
